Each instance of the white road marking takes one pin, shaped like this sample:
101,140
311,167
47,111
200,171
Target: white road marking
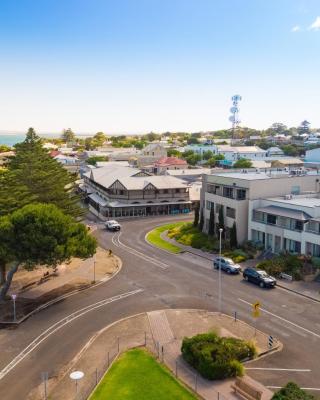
281,369
280,387
58,325
137,253
283,319
277,330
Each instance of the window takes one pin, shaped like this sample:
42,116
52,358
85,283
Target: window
177,190
231,212
295,189
298,225
241,194
209,205
218,207
228,192
271,219
213,189
166,191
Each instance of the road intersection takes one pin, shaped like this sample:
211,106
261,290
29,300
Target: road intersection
153,279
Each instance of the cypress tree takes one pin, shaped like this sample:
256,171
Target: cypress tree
221,220
196,216
211,221
233,236
37,177
201,220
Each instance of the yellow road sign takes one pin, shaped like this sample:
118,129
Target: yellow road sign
256,309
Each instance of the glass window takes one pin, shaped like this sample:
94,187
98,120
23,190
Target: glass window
241,194
298,226
271,219
228,192
209,205
231,212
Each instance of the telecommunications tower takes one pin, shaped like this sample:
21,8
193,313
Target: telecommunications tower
234,117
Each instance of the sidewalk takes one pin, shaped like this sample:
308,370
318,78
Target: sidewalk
162,333
307,289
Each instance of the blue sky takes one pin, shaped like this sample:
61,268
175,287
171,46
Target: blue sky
142,65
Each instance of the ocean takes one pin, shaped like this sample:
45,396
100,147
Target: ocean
12,139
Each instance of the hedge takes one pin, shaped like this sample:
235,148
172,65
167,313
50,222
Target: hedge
216,357
292,392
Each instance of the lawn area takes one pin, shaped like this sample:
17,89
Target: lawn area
154,237
137,375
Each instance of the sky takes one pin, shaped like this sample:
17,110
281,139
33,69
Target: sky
157,65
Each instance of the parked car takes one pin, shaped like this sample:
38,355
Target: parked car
113,225
259,277
227,265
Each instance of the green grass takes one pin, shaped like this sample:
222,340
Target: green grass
154,237
137,375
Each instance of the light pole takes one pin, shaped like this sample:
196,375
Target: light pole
76,376
14,296
94,269
220,283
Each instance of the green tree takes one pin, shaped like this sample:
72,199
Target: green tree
99,138
292,392
290,150
206,155
94,159
221,219
304,127
242,163
40,234
34,176
173,153
201,223
278,128
196,215
233,236
4,148
212,221
68,136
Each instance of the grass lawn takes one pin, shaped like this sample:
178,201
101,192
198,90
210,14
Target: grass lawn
137,375
154,237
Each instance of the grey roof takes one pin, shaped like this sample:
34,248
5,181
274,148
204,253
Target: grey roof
97,199
285,212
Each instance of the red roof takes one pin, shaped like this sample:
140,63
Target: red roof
54,153
167,161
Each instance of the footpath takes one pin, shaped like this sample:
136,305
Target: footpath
161,332
307,289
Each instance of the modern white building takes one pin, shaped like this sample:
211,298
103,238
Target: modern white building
233,191
288,223
312,156
234,153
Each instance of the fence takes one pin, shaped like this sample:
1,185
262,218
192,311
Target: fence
168,354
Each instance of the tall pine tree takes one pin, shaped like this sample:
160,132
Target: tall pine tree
196,215
212,221
201,220
34,176
233,236
221,220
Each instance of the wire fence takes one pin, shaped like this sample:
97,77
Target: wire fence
168,354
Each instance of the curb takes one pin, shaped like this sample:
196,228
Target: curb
60,298
298,293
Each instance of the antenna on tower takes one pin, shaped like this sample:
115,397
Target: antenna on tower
234,117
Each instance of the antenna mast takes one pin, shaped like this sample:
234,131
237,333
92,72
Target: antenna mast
234,117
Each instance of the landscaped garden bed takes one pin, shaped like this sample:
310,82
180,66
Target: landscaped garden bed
216,357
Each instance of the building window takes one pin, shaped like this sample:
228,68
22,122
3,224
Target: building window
295,189
231,212
209,205
218,207
228,192
213,189
298,225
166,191
241,194
177,190
271,219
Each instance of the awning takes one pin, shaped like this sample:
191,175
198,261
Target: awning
97,199
285,212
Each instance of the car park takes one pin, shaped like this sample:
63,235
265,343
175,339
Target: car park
113,225
227,265
259,277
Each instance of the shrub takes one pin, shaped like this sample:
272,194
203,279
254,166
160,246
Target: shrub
292,392
217,357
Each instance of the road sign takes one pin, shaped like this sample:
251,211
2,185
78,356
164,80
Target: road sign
270,341
256,309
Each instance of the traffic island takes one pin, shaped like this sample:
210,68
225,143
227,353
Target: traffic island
160,332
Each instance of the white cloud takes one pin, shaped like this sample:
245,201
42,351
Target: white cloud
296,28
315,26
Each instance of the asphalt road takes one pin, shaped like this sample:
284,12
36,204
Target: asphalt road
154,279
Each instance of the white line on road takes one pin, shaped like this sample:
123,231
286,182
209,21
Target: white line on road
137,253
283,319
281,369
58,325
280,387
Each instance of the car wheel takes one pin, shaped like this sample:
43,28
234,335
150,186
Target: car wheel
228,271
261,284
246,278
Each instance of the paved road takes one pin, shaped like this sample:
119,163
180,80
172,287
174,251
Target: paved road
153,279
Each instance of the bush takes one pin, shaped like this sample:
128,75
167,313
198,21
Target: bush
190,235
217,357
288,263
292,392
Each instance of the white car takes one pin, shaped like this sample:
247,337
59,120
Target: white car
113,225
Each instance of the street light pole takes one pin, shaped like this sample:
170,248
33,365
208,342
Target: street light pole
220,282
14,296
94,269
